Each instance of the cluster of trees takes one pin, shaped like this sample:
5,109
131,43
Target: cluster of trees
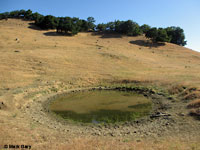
170,34
74,25
128,27
21,14
66,25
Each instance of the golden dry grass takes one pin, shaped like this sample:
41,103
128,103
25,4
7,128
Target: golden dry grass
79,59
40,61
126,144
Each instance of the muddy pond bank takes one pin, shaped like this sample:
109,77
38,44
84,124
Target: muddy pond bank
159,119
168,117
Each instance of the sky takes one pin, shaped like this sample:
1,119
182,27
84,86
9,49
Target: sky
156,13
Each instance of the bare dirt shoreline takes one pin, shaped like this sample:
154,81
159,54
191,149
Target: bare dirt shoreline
164,120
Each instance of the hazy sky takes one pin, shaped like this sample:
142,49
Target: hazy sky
158,13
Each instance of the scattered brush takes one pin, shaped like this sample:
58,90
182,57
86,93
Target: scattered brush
176,89
195,107
195,112
192,95
194,104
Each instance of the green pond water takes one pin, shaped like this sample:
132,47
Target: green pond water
101,106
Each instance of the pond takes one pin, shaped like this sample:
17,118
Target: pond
101,106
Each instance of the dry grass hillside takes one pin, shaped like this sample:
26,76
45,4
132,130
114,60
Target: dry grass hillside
35,63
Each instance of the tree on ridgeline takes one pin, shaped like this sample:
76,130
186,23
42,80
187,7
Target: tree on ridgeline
144,28
69,25
76,26
91,25
128,27
162,36
101,27
14,14
152,34
22,13
4,15
110,26
37,18
48,22
64,25
157,35
28,15
131,28
84,26
176,35
60,27
171,34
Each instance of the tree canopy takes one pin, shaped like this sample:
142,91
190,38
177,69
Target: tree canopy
170,34
47,22
144,28
176,35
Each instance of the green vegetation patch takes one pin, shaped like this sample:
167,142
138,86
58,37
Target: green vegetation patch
103,116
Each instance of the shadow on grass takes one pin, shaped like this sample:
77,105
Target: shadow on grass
56,34
195,114
146,43
102,116
33,26
107,35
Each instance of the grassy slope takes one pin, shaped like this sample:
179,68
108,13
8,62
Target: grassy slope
79,58
84,60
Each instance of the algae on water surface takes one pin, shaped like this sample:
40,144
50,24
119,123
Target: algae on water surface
99,106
